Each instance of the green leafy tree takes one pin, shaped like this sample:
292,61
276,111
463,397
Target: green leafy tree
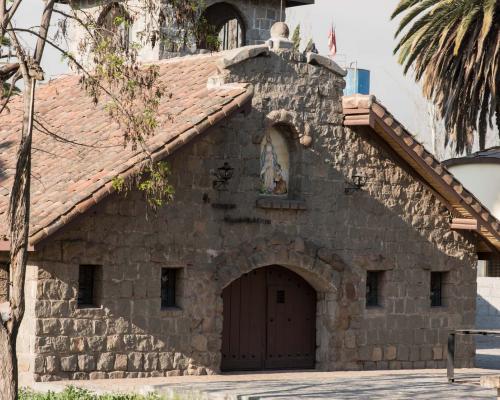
452,46
110,74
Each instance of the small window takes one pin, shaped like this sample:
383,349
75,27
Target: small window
87,277
437,282
168,287
373,279
493,268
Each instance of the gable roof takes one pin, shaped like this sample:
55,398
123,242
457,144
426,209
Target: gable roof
78,149
486,156
364,110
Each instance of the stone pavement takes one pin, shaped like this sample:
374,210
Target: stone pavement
410,384
345,385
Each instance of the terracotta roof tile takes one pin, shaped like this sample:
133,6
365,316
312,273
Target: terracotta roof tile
74,164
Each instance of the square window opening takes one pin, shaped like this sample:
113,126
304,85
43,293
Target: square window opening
373,288
437,287
493,268
88,290
170,287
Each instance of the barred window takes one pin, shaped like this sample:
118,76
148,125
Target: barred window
373,286
87,278
169,278
437,281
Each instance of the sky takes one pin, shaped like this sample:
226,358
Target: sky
365,35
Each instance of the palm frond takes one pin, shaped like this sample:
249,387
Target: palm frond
452,47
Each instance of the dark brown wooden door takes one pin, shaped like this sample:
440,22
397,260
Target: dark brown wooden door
269,321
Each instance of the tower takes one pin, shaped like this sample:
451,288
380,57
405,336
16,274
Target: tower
234,23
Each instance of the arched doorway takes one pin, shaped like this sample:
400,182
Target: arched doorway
225,22
269,321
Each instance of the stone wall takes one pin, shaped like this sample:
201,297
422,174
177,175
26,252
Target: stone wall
258,17
395,224
4,282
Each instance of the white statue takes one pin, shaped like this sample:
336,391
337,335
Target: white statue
273,178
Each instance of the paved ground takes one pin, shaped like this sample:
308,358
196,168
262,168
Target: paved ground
388,385
414,384
488,353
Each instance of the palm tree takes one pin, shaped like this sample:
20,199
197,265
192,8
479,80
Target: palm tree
453,46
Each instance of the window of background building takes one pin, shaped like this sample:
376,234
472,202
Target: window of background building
493,268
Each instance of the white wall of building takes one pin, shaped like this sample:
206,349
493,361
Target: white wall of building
483,180
488,303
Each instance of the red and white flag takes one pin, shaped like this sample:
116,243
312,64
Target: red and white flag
332,42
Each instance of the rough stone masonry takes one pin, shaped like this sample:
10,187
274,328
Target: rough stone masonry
395,225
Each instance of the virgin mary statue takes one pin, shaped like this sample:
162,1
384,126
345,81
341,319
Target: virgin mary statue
270,170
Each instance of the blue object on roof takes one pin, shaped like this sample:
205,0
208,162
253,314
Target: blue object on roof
357,81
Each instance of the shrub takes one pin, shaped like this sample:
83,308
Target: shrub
72,393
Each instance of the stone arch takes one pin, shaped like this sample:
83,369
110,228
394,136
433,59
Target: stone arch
218,15
300,129
319,266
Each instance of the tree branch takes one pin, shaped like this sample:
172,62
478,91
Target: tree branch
20,54
44,28
11,90
8,70
8,14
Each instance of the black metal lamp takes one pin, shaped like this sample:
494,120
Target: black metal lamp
356,183
222,177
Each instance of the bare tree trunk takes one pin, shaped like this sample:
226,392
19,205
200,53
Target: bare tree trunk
19,209
7,369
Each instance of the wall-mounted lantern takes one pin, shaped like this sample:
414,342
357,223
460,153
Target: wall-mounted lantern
222,177
356,183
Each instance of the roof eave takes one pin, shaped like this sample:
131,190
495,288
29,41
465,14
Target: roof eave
372,114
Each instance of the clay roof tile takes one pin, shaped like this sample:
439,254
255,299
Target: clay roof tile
78,149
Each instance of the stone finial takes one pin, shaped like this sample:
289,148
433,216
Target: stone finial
280,30
279,37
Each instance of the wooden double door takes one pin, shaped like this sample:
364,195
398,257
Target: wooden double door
269,321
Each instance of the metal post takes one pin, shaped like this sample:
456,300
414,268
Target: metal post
451,357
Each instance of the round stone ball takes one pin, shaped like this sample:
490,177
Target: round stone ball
306,141
280,30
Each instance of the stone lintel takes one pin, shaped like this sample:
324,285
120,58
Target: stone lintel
328,63
281,204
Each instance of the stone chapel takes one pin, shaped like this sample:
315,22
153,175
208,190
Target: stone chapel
307,230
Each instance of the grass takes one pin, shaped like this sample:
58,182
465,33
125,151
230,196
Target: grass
72,393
